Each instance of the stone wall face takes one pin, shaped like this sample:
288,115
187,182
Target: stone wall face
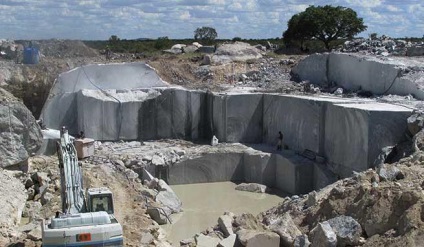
217,167
176,113
349,136
61,106
285,171
356,133
259,168
347,132
244,118
346,139
355,72
298,119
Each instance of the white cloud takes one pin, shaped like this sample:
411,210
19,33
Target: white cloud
185,15
365,3
98,19
392,8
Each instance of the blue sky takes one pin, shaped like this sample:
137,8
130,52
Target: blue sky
99,19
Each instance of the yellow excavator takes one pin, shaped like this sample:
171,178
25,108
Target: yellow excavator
87,219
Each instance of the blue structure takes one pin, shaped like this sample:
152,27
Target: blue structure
31,55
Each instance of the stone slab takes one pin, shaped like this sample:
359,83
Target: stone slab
356,133
259,168
60,108
294,174
211,167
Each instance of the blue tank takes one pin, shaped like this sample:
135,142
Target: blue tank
31,55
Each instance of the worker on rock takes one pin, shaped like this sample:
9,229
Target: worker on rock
280,141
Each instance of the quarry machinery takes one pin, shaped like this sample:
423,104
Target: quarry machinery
87,219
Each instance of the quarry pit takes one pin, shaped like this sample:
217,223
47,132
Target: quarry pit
352,146
326,137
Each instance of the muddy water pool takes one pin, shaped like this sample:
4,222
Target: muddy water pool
204,203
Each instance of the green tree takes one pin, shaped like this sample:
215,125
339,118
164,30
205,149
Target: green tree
114,39
205,33
162,42
324,23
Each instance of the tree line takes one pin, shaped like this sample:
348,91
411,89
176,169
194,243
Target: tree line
328,25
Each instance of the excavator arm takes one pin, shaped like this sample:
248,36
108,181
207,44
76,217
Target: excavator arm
72,191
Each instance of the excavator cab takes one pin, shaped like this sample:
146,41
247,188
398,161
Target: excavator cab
100,199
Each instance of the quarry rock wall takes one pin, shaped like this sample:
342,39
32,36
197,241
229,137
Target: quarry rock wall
366,128
284,170
61,108
354,72
348,133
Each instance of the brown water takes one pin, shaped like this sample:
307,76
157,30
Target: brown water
204,203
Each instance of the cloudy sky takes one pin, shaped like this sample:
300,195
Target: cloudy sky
99,19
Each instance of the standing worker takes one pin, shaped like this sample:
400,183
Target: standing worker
280,141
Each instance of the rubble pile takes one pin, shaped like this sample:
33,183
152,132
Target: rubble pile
137,156
266,73
9,49
57,48
366,210
13,196
384,46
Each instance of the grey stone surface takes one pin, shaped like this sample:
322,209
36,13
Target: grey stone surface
242,118
112,115
323,236
415,122
286,171
388,172
157,215
259,168
294,174
168,198
20,135
301,119
61,109
286,229
247,221
301,241
225,223
307,123
313,69
323,176
206,241
228,241
253,238
175,113
379,76
35,234
347,229
366,128
251,187
216,167
232,52
207,49
13,196
415,51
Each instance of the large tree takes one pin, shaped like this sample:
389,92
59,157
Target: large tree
205,33
325,23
